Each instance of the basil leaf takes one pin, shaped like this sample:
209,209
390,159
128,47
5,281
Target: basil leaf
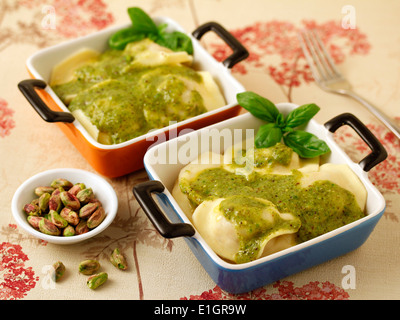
267,136
141,22
305,144
301,115
176,41
258,106
121,38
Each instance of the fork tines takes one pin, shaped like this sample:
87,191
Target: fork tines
318,58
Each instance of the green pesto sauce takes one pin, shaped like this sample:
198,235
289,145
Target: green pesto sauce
321,207
279,154
246,214
126,99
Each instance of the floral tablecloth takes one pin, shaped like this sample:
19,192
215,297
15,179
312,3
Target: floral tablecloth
364,40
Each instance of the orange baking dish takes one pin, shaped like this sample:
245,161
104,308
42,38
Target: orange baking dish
123,158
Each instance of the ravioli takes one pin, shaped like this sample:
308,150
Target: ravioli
341,175
206,160
240,228
278,159
314,198
150,84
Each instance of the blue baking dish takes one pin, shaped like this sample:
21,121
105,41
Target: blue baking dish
170,220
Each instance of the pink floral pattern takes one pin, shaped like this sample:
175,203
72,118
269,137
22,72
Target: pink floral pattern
73,18
386,175
6,121
314,290
78,17
275,49
16,280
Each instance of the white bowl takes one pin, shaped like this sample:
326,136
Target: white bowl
101,188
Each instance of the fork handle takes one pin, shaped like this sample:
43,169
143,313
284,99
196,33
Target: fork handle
385,119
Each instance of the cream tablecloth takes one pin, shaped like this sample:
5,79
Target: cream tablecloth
369,56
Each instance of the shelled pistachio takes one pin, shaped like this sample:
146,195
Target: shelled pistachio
97,280
68,209
89,267
118,260
47,227
59,270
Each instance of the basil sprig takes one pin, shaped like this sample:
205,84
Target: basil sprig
144,27
279,127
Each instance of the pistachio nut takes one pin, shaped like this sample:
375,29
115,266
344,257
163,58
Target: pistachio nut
31,209
59,270
40,190
85,195
96,218
87,210
47,227
34,221
118,260
89,267
97,280
76,188
69,215
57,220
55,201
81,227
44,201
70,201
60,182
69,231
95,200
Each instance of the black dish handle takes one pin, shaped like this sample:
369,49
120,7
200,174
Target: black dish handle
239,51
27,87
378,153
142,192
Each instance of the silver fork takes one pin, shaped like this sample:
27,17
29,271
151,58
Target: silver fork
330,79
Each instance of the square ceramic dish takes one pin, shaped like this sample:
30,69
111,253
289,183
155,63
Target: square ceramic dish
123,158
170,220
